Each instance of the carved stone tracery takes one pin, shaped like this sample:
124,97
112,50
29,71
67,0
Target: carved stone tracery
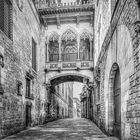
85,35
69,35
97,74
54,37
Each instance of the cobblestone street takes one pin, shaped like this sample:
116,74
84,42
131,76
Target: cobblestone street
65,129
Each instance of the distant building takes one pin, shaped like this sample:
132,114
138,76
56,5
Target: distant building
76,108
70,96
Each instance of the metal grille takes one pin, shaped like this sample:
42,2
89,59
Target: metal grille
6,17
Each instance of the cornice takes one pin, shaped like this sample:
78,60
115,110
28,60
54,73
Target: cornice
71,17
50,11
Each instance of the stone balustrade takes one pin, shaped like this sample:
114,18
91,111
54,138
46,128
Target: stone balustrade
76,65
43,4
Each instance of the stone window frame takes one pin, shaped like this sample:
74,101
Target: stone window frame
138,9
29,77
54,39
34,55
19,88
112,74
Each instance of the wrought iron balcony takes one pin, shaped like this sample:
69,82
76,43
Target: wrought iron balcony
75,65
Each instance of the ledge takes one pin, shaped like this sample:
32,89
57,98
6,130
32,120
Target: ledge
64,66
62,5
31,97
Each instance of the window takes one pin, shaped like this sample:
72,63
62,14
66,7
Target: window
69,46
28,85
138,10
84,1
19,86
33,54
6,17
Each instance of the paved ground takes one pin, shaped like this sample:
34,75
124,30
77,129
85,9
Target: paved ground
65,129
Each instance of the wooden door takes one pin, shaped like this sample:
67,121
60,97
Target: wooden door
117,105
28,116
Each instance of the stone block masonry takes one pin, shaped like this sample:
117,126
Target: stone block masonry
17,54
121,46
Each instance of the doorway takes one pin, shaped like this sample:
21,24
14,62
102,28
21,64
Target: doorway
117,104
114,102
28,116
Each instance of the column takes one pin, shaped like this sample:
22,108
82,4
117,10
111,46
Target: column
91,49
78,46
47,51
59,42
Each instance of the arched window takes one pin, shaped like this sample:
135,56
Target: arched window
53,47
69,46
85,46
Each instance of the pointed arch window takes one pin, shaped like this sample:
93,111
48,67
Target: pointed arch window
69,46
53,50
85,46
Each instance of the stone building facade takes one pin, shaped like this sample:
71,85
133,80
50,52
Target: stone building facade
21,104
32,71
76,108
58,105
117,67
87,101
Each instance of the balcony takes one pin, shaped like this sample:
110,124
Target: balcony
76,65
46,5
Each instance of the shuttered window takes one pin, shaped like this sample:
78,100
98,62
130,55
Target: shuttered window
33,54
28,84
6,17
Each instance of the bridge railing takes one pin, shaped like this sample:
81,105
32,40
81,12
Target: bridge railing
62,66
41,4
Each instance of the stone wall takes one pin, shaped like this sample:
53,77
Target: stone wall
121,47
17,55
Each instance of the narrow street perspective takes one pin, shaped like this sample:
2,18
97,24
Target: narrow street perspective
64,129
70,69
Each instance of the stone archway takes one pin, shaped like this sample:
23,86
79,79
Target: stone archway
69,78
114,105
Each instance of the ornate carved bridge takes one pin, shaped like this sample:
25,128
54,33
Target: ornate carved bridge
69,39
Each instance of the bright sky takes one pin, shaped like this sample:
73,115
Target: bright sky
77,89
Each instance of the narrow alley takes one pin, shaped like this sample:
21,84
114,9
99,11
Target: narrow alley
64,129
69,69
